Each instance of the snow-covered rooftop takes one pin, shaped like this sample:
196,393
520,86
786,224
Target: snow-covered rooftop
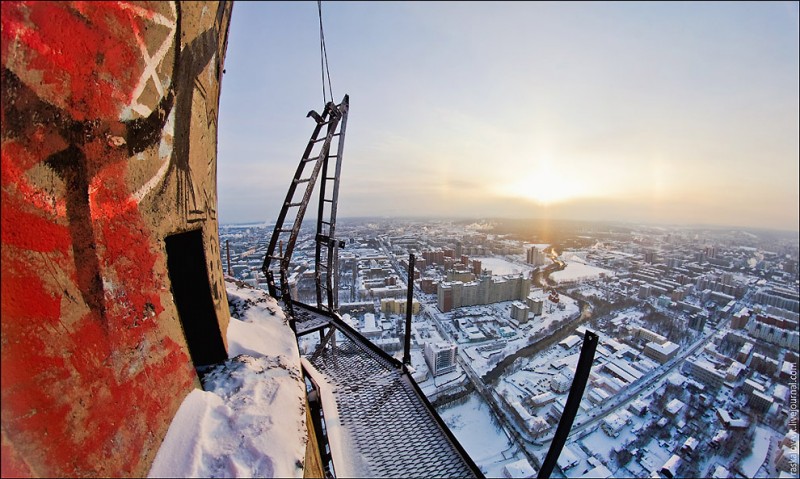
666,349
674,406
599,471
570,341
567,458
519,469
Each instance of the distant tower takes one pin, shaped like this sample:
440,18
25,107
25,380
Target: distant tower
476,267
535,256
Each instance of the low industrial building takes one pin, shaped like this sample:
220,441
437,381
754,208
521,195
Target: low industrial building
661,352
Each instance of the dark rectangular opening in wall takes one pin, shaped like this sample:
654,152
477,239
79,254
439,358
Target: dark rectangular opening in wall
186,263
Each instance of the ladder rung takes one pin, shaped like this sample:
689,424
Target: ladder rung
292,205
328,178
306,160
302,180
324,137
327,200
326,222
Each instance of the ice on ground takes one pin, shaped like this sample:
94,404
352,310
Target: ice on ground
250,420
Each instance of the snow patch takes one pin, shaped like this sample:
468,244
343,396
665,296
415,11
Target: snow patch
578,271
500,266
752,463
250,421
476,429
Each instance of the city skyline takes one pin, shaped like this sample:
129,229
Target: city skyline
657,113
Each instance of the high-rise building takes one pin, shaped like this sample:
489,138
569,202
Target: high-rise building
485,290
697,322
448,263
398,306
535,256
433,257
644,291
782,332
476,267
519,311
427,286
444,296
441,357
535,305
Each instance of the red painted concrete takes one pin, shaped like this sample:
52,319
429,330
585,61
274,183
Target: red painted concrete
94,362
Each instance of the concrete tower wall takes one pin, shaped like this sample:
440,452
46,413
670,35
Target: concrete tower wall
109,139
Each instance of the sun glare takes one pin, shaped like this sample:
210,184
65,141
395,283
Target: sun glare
545,188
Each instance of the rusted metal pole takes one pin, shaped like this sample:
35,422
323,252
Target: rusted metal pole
409,301
228,248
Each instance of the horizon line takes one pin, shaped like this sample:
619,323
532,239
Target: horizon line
538,219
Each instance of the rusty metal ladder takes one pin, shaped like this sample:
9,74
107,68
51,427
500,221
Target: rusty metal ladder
317,155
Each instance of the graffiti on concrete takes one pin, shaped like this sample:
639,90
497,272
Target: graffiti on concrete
97,106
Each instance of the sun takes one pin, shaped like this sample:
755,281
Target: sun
544,187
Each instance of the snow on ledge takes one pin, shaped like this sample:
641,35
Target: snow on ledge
250,421
345,463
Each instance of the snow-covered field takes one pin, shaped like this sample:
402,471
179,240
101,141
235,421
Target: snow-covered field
250,420
499,266
752,463
540,246
474,427
578,271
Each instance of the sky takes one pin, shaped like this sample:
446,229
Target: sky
671,113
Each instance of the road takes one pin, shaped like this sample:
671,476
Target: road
485,392
630,393
509,421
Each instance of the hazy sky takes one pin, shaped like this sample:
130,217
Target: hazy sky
657,112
